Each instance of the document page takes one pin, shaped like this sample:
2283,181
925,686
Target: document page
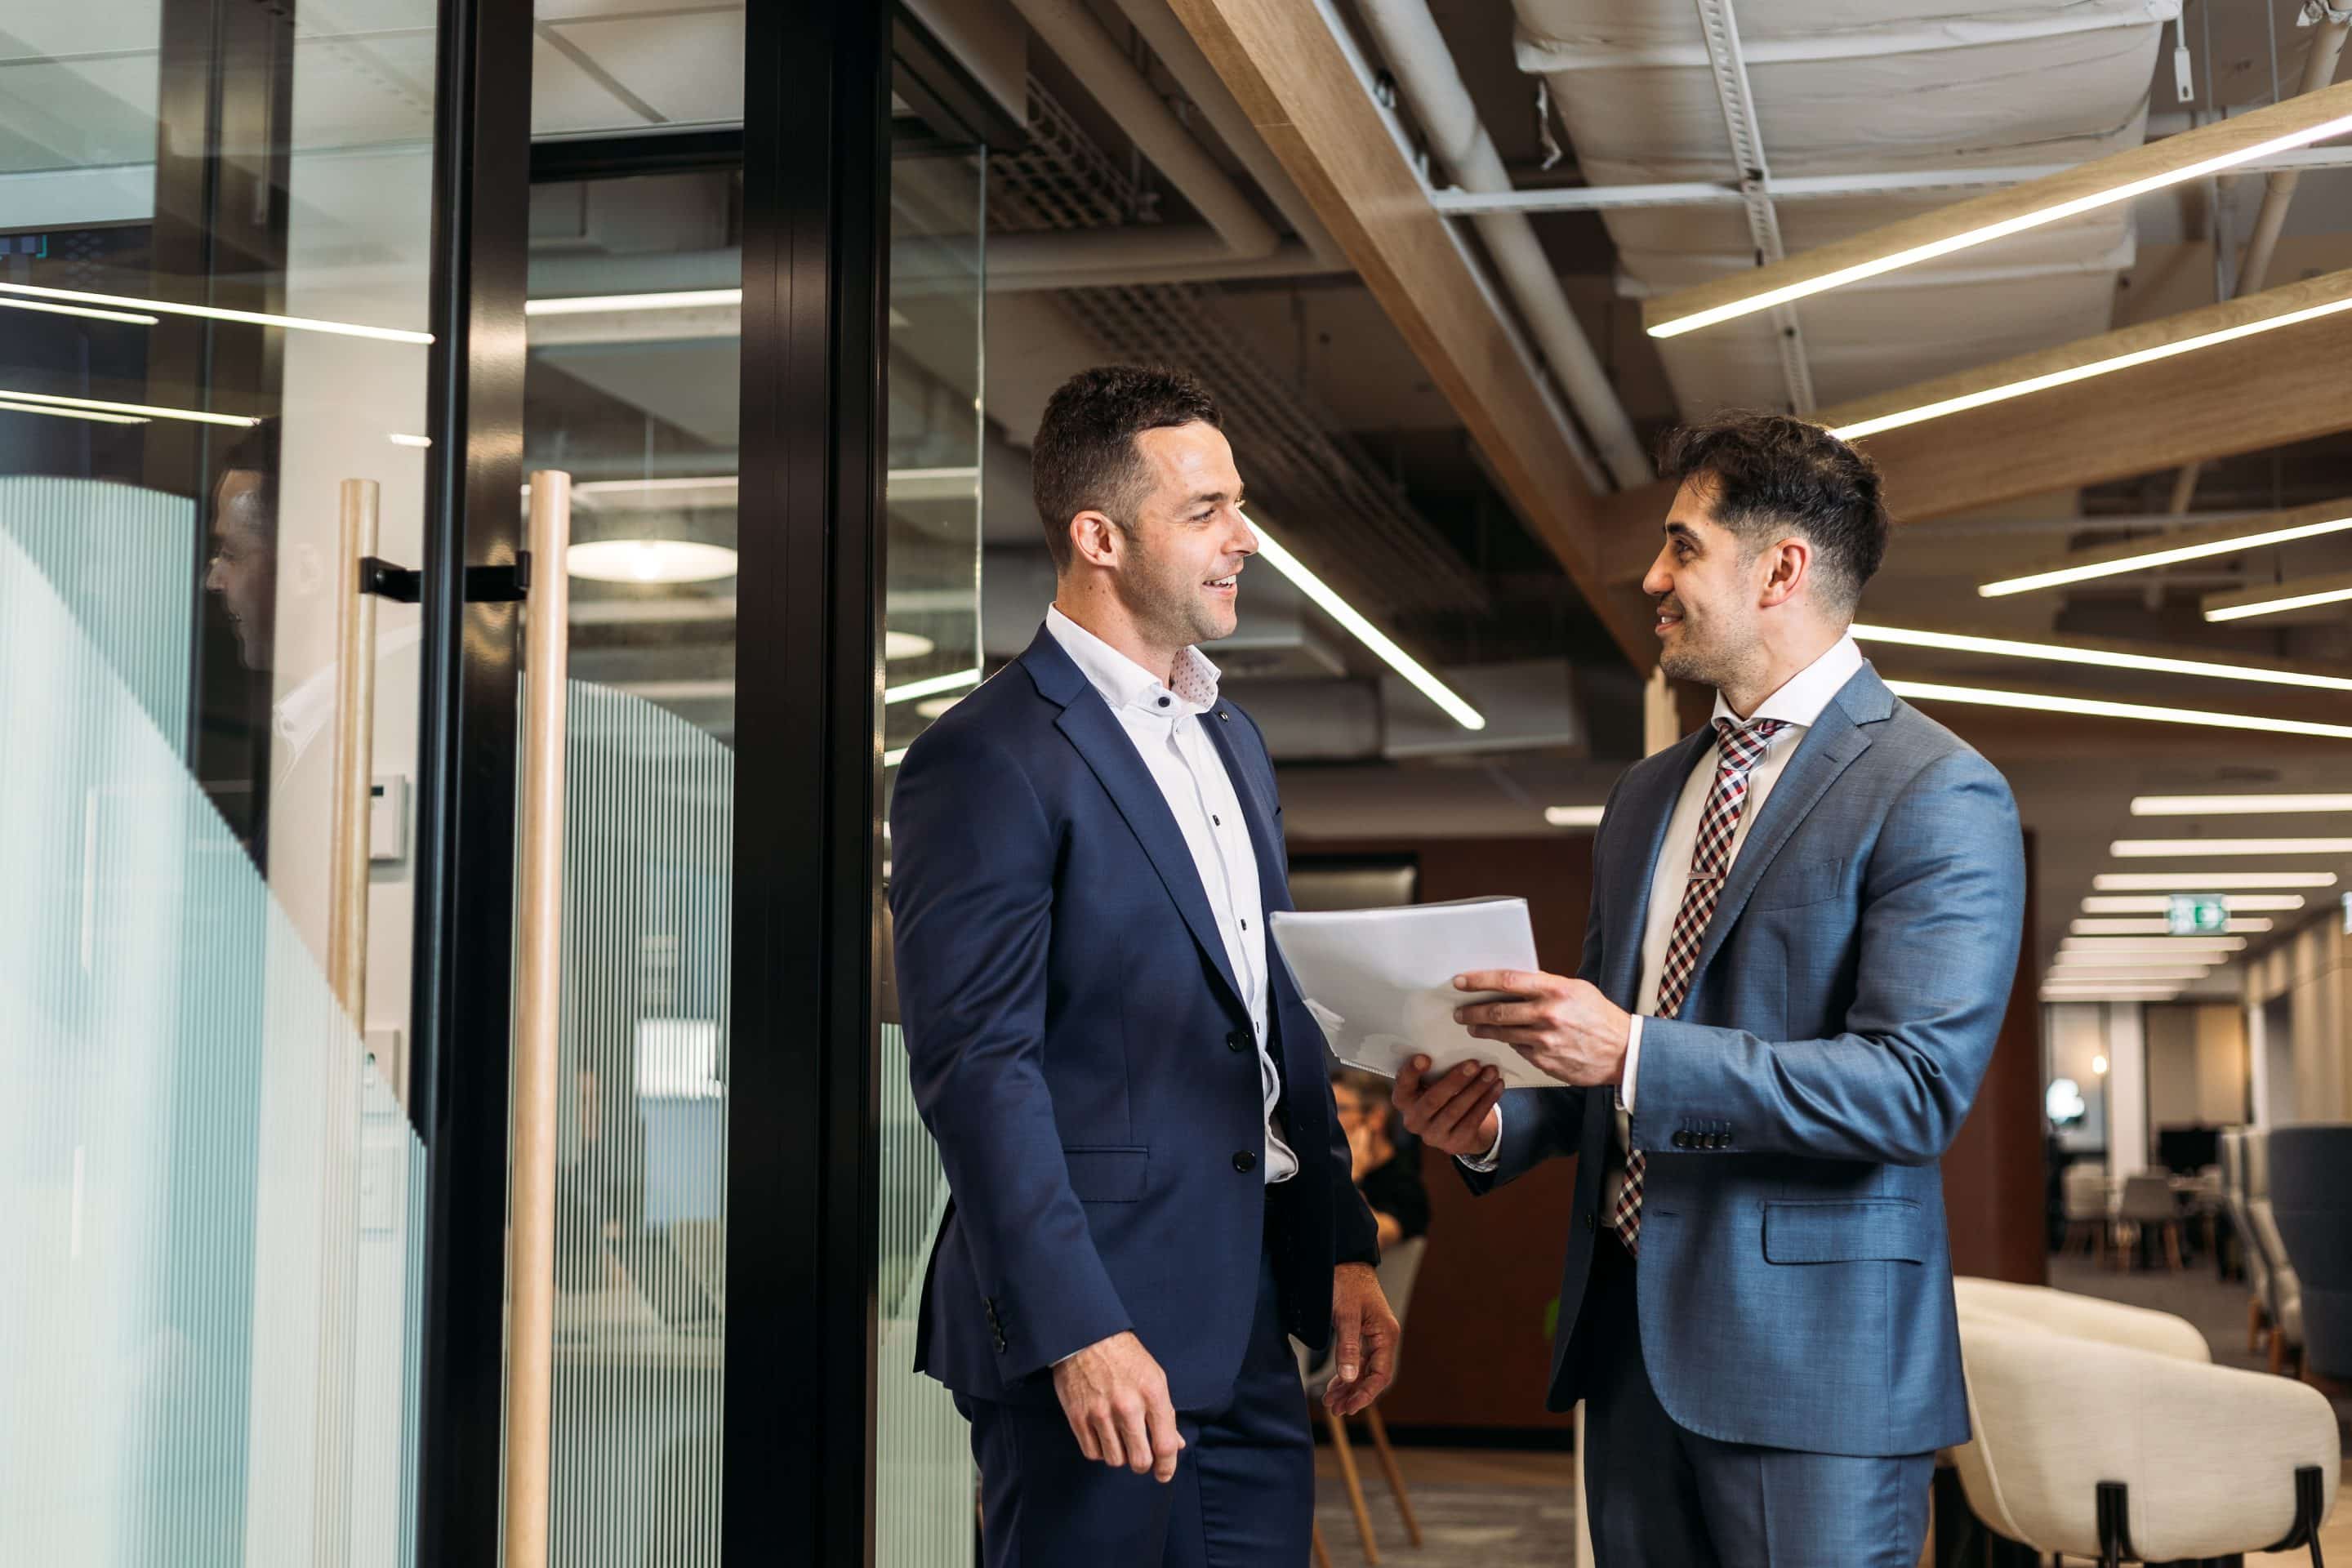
1380,982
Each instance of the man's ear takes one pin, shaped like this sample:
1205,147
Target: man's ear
1787,564
1095,538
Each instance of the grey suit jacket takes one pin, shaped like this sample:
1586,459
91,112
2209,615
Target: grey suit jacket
1794,1279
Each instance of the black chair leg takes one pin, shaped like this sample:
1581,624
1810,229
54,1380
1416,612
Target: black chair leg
2115,1524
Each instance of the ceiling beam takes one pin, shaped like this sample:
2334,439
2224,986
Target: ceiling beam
1963,225
1302,93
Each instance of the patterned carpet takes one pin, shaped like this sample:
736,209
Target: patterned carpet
1478,1508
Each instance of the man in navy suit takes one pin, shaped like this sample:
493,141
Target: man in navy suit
1803,935
1149,1183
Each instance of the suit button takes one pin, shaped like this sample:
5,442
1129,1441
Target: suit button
1719,1141
1682,1140
1236,1041
1245,1162
1587,1217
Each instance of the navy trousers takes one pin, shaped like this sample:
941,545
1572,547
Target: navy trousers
1661,1497
1244,1494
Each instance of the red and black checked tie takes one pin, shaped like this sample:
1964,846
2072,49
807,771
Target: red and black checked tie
1742,746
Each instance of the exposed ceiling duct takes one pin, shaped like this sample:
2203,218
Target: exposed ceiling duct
1354,524
1849,87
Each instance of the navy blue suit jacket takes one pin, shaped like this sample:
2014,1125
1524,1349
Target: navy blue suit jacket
1795,1283
1084,1058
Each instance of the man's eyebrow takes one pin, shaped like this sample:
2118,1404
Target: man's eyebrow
1209,497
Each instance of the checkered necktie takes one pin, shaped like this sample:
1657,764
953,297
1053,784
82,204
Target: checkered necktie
1741,747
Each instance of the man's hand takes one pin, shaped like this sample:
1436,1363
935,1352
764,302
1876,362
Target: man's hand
1454,1113
1116,1398
1566,1027
1363,1340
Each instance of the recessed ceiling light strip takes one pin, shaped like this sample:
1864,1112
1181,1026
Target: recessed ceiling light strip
2301,594
2101,658
2123,176
2046,703
72,413
1961,403
1364,632
99,406
127,317
2237,804
598,304
2184,544
2254,925
2159,903
219,313
2206,882
932,687
2160,849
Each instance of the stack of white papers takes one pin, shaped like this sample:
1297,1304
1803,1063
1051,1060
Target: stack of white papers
1380,982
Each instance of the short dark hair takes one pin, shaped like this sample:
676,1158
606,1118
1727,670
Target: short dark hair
1085,458
1771,473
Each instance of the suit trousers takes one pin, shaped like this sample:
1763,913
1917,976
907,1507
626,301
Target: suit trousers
1242,1497
1663,1496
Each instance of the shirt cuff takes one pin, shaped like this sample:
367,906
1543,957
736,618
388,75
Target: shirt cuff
1632,1065
1484,1164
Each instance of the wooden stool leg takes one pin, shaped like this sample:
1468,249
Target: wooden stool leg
1339,1445
2254,1324
1322,1552
2172,1246
1388,1468
2278,1351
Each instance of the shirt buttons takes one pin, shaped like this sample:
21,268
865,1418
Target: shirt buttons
1163,702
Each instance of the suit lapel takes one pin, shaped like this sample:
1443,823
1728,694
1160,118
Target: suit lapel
1091,727
1824,754
1643,837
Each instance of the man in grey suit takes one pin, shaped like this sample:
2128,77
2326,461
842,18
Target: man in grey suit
1803,935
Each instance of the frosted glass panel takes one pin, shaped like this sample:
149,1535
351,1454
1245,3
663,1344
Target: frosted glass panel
209,1205
641,1179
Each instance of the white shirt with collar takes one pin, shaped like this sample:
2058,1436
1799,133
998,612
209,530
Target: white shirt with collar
1797,704
1164,722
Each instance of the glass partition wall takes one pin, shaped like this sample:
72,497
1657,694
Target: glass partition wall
280,342
214,289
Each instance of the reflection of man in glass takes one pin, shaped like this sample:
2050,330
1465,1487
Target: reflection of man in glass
244,570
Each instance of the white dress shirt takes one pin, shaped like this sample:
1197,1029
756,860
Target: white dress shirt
1798,704
1164,722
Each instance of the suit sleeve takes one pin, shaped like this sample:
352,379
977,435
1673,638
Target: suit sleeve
1541,1123
972,893
1943,902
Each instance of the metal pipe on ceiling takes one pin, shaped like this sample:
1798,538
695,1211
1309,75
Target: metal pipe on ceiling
1424,67
2278,194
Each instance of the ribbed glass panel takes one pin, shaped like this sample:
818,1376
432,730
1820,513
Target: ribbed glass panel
208,1208
923,1491
641,1182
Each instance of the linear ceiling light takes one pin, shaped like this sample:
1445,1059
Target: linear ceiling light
1573,815
217,313
1371,635
2110,993
2161,848
2056,653
2236,805
597,304
2157,903
932,687
2302,594
2254,925
2085,974
2108,945
2130,955
72,413
99,406
125,316
2217,539
2206,882
2122,177
2044,702
1961,403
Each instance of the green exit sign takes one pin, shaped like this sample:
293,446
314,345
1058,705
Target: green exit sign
2197,914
